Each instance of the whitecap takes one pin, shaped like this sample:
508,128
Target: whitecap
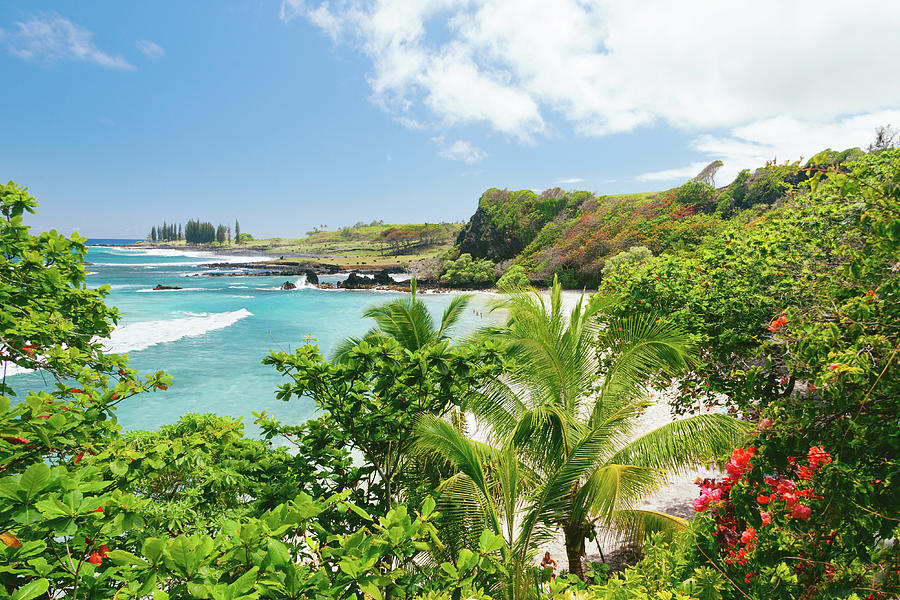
187,289
138,336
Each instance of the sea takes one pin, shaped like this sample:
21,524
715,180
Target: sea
212,334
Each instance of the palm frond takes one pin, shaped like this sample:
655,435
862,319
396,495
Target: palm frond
637,524
613,488
640,348
341,351
452,314
686,443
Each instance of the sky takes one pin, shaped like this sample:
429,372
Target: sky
293,114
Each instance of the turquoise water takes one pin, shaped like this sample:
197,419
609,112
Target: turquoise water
212,335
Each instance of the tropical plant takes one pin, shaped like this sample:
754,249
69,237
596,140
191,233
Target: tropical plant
466,271
561,416
513,279
407,321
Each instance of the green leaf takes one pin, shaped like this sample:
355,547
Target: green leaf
372,590
31,590
34,479
278,553
122,557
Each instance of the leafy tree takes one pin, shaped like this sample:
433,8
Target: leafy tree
636,255
698,193
465,271
513,279
375,393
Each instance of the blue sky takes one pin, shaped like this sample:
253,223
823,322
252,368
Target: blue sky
286,115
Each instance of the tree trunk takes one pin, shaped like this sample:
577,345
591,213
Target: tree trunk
575,535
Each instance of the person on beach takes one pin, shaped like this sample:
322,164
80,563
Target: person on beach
548,563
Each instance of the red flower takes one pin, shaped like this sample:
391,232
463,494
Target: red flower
748,536
766,518
29,350
763,499
833,367
870,293
818,457
76,391
764,424
802,512
96,510
79,457
774,325
16,440
95,559
104,550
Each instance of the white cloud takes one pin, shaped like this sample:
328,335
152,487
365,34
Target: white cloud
781,138
459,150
569,180
149,49
608,67
51,37
679,173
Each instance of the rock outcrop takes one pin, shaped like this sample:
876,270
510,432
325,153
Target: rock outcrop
160,287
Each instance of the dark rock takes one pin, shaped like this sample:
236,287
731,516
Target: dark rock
355,282
311,277
160,287
287,285
383,278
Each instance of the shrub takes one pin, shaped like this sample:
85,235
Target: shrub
514,278
465,271
697,193
636,255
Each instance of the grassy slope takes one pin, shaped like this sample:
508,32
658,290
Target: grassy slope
361,247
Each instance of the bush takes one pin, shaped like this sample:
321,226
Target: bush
514,279
465,271
697,193
636,255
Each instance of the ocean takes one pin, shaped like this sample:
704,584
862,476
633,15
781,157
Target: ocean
212,335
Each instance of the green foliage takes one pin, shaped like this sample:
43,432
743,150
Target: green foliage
562,414
798,314
376,392
632,256
514,278
697,193
243,237
465,271
408,322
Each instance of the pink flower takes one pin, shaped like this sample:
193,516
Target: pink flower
764,424
802,512
766,518
748,536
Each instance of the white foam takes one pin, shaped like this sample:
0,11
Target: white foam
208,257
139,336
188,289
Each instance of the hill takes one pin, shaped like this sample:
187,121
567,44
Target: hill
574,234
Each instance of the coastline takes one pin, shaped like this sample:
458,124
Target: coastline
674,498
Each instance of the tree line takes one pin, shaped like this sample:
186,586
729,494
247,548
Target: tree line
195,232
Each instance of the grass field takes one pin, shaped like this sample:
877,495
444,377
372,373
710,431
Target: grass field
361,247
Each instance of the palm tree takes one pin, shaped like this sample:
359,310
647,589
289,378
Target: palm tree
566,410
408,321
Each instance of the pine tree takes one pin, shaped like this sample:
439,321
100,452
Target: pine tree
237,231
153,234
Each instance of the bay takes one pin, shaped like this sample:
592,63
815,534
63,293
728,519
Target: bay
212,334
